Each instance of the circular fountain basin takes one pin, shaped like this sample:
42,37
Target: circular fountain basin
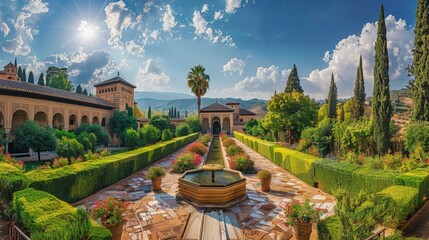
196,187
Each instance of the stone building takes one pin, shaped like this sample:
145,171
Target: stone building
217,117
9,72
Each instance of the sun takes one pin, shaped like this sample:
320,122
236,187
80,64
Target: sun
87,31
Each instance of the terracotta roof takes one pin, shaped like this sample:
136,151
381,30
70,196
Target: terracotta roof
232,103
246,112
216,107
23,89
10,65
114,80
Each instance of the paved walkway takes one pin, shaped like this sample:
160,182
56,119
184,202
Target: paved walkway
418,225
162,216
4,229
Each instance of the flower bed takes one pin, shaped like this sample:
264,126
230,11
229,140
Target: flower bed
238,160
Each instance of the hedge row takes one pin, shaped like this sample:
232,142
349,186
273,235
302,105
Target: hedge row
329,228
45,215
77,181
418,178
11,180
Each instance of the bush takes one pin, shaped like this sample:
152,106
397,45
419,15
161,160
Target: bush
329,228
132,138
166,135
320,136
374,163
182,130
88,141
60,162
101,135
161,122
242,163
197,148
204,140
12,179
75,182
47,217
233,150
149,134
417,178
417,134
156,171
69,148
264,175
59,134
392,161
185,162
228,142
194,124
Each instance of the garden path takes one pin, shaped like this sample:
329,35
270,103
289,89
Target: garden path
161,216
4,229
418,225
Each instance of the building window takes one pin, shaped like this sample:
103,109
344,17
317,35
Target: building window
115,89
71,122
241,120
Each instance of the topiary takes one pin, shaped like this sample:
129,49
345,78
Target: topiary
264,175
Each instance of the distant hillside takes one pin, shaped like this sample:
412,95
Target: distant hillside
162,95
190,105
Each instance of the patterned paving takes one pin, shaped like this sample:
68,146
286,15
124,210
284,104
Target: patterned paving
161,216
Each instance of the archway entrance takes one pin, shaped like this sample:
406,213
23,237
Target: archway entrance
216,127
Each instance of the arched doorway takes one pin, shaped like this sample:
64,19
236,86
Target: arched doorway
41,118
206,124
58,121
95,120
216,125
72,122
18,118
1,121
103,122
226,125
84,120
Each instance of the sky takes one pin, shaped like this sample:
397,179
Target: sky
247,47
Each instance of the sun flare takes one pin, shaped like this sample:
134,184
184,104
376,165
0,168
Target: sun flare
87,31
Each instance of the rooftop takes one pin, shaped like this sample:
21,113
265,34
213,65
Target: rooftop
114,80
23,89
10,65
216,107
245,112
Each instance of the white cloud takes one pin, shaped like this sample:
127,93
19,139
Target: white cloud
154,34
36,7
214,36
148,5
5,29
232,5
205,8
151,77
344,59
234,65
133,48
118,19
34,65
199,23
218,15
168,19
326,57
16,46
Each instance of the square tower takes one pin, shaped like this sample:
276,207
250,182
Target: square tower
116,91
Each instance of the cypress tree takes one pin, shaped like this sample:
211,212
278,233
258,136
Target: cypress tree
85,92
293,82
31,77
186,113
149,113
178,114
381,107
175,112
24,76
358,106
16,62
41,81
421,62
169,113
79,89
20,72
332,99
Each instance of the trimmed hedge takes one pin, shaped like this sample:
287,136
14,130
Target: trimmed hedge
74,182
405,202
11,180
329,228
41,213
263,147
418,178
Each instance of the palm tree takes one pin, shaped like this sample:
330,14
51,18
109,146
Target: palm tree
198,82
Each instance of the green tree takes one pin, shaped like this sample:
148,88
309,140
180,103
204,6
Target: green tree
3,140
175,112
290,113
85,92
293,82
358,106
421,62
31,77
69,148
31,135
121,121
79,89
198,82
24,76
130,110
88,141
20,73
194,124
186,114
166,135
16,63
132,138
101,135
149,134
381,107
332,99
160,121
182,130
149,113
416,134
60,81
41,81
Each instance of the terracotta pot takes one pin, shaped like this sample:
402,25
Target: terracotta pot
302,231
265,185
116,230
156,183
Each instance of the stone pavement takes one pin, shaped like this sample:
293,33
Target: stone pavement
418,225
161,216
4,229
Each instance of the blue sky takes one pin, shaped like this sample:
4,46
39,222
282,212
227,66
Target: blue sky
247,47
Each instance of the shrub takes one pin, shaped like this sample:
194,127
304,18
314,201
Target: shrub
354,158
59,134
149,134
182,130
320,137
6,158
90,156
47,217
329,228
197,148
373,163
223,136
233,150
75,182
417,178
161,122
204,140
69,148
156,171
109,211
228,142
105,153
12,179
166,135
60,162
132,138
101,135
417,134
88,141
392,161
185,162
242,163
264,175
194,124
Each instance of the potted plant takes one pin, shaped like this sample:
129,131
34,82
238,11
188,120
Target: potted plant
300,215
265,177
110,213
155,174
